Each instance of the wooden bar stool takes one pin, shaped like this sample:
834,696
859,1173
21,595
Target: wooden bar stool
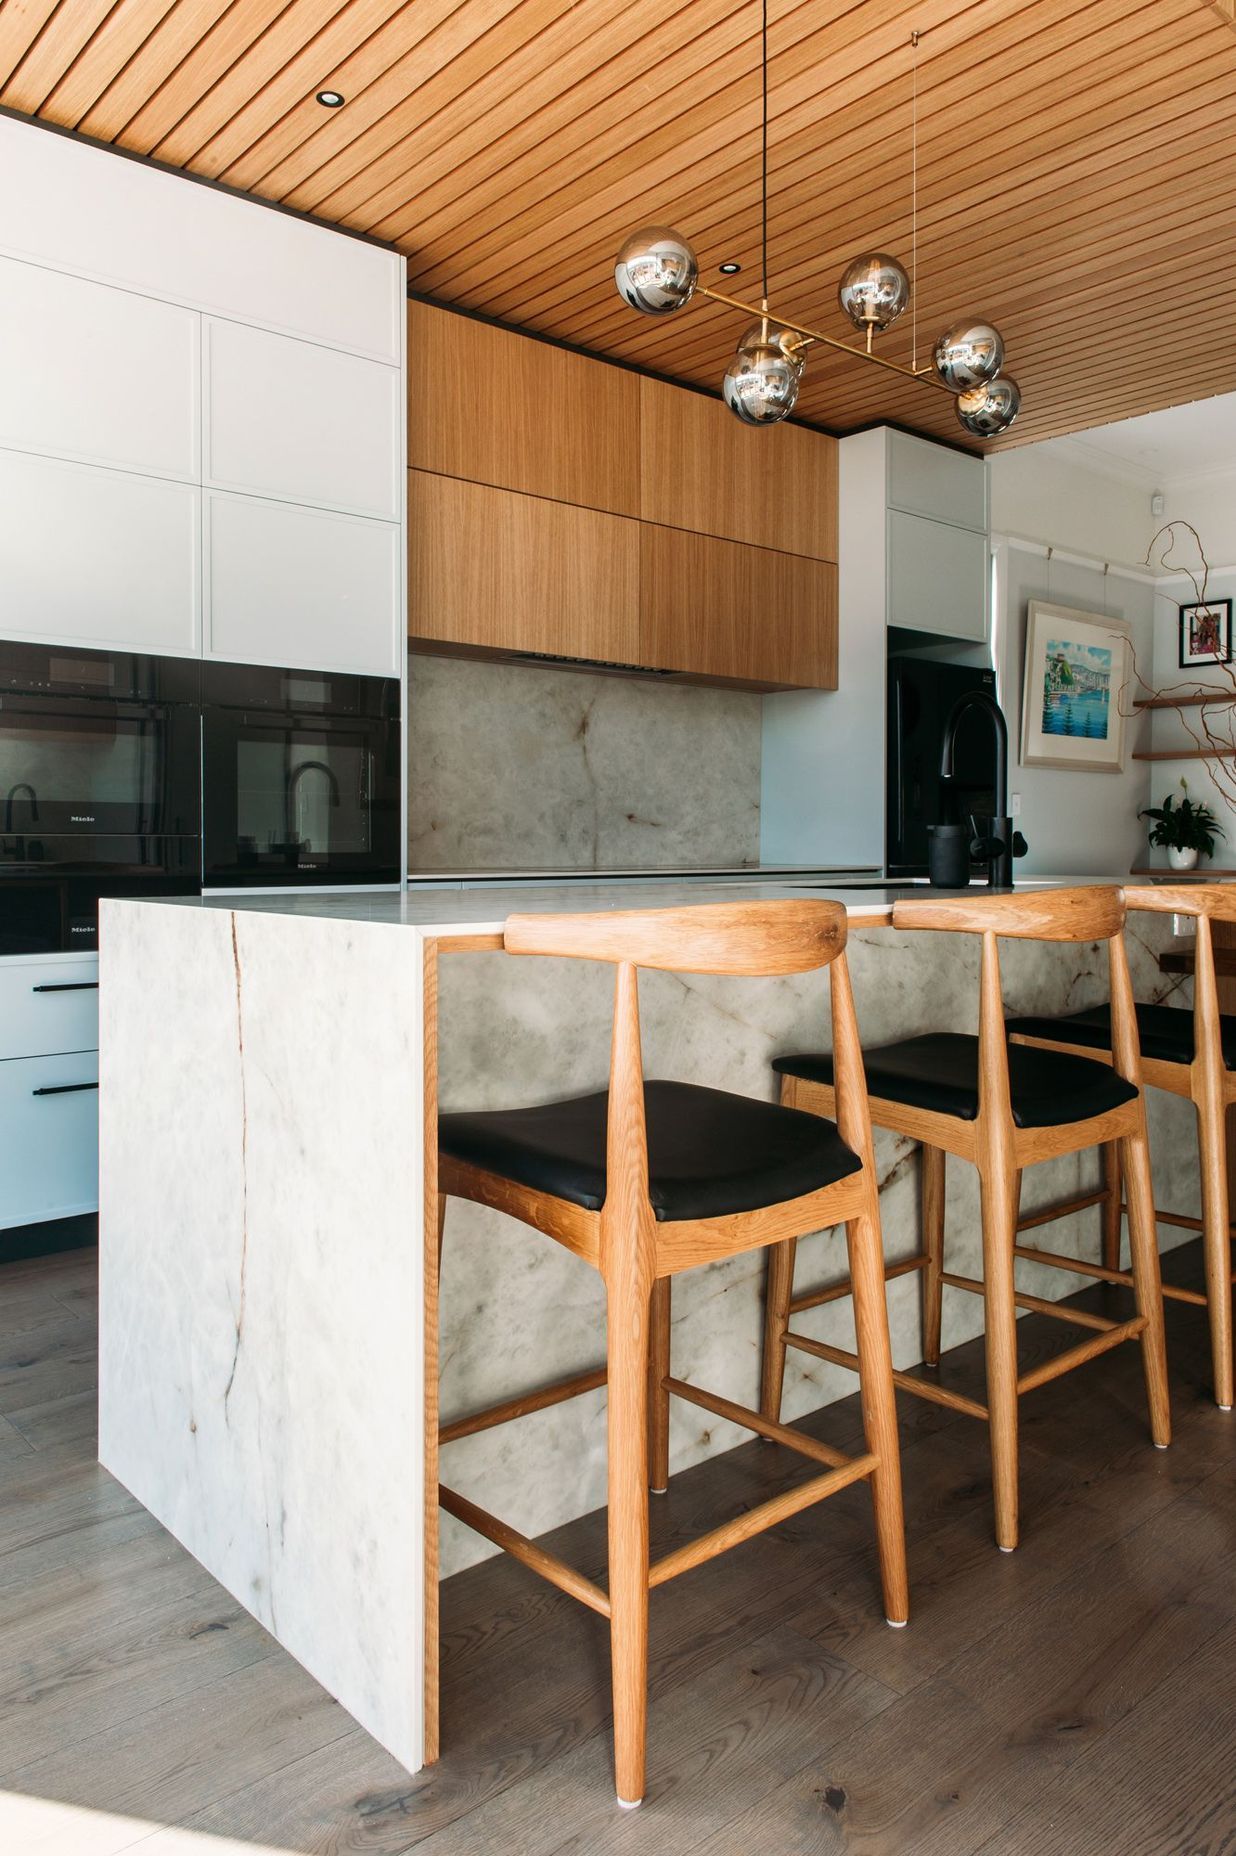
1002,1108
1190,1054
650,1179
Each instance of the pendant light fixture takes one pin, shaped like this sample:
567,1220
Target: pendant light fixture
657,272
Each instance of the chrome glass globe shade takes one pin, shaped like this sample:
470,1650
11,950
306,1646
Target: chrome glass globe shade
770,334
968,354
761,382
990,408
656,270
873,291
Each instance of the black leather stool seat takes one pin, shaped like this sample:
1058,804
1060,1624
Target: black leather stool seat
940,1071
709,1153
1164,1032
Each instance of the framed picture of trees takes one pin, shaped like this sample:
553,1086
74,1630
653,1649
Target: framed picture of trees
1077,666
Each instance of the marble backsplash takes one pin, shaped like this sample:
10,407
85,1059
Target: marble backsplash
516,765
519,1312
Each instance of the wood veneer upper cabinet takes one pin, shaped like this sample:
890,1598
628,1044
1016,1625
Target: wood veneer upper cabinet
494,571
727,611
521,414
701,469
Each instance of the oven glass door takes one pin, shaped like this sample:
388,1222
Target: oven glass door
292,799
84,768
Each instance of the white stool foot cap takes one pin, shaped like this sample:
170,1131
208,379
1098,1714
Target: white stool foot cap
664,1491
1006,1549
896,1623
629,1804
1225,1408
1160,1446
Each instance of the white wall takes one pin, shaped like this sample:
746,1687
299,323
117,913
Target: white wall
1059,494
1209,503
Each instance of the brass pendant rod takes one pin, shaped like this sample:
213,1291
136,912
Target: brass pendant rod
813,335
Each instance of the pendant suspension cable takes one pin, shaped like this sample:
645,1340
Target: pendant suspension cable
914,37
764,146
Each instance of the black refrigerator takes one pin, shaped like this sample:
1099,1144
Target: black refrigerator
921,693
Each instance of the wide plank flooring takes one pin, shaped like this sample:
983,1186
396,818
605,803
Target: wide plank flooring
1077,1698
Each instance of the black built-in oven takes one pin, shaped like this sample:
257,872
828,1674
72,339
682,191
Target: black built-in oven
301,777
100,788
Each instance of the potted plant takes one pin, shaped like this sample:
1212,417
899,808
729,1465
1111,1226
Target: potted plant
1184,829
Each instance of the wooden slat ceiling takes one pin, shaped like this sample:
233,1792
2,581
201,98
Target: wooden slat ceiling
1076,164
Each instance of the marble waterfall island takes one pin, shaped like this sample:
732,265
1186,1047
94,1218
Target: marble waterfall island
268,1324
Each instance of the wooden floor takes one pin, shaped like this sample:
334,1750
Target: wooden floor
1076,1697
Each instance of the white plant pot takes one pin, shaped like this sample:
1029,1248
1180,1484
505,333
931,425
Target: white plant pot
1182,860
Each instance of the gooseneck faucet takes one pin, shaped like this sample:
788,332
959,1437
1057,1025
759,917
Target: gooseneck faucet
999,844
22,786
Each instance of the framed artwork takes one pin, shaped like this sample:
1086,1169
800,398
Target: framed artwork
1206,634
1077,666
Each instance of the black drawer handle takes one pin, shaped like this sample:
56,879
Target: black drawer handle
63,1089
70,986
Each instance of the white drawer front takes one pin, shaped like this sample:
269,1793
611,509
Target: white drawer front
48,1006
49,1137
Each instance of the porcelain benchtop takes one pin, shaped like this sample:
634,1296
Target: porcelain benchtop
450,913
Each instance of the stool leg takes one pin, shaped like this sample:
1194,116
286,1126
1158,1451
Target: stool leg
1113,1184
658,1397
1212,1141
778,1289
875,1367
999,1202
441,1224
1144,1252
931,1188
628,1353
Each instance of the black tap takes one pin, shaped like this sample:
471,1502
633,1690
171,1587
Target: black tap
22,786
1000,844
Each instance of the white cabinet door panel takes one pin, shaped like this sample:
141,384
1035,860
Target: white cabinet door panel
937,577
49,1137
83,209
98,374
98,557
47,1006
292,419
930,480
304,587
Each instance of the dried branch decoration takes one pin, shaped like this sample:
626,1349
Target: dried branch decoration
1210,722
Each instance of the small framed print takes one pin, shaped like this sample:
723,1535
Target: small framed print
1206,634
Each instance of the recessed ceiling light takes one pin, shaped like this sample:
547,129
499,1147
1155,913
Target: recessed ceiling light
331,99
730,269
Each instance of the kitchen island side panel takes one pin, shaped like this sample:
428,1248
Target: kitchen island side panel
261,1341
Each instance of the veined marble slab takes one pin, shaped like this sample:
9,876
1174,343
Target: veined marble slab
261,1364
261,1315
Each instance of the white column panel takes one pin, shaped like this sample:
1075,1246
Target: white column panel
292,419
297,586
98,557
94,212
99,374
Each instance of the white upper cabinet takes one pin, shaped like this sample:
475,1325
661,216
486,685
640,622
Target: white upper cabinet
926,479
305,587
292,419
98,374
937,577
83,209
98,557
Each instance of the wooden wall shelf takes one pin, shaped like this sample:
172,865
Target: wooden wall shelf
1203,699
1189,754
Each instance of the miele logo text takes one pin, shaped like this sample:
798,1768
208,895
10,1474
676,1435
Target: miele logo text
81,818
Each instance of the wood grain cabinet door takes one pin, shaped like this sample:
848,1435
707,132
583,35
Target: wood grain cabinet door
495,571
701,469
726,611
521,414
